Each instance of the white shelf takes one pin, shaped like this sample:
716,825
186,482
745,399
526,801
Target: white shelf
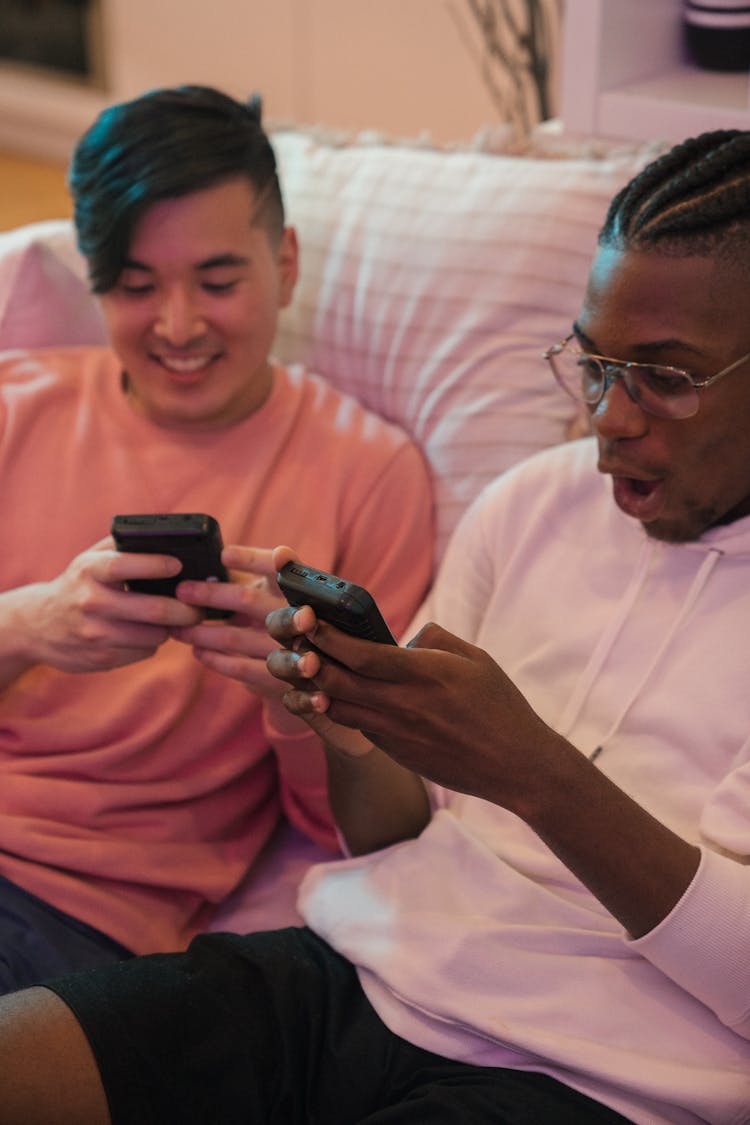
625,75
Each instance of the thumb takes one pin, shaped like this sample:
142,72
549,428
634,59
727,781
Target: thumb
282,555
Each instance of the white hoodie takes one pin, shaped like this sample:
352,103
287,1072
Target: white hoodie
474,940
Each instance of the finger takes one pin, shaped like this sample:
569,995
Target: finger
248,671
229,596
246,599
388,662
249,560
245,641
282,555
336,682
306,704
367,658
312,708
151,609
289,624
118,656
123,566
134,635
295,667
251,599
126,634
375,724
105,544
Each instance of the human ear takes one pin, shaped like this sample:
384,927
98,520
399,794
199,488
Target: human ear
287,257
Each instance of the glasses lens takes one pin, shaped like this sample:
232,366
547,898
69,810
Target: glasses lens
578,374
662,391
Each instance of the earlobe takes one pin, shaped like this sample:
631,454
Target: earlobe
288,259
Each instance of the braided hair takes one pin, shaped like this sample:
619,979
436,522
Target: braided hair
164,144
694,199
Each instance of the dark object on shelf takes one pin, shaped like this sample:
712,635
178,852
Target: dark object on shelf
717,33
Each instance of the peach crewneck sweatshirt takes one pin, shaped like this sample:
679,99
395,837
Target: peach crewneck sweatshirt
135,799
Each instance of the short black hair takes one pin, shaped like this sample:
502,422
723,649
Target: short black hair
693,199
161,145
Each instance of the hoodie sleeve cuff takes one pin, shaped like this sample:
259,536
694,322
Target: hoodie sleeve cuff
704,942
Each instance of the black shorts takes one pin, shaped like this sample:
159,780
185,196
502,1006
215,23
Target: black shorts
274,1028
38,940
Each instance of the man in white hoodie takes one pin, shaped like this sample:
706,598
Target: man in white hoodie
545,913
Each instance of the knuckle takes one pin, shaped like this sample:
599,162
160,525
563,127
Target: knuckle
158,611
234,640
297,702
88,633
248,596
427,636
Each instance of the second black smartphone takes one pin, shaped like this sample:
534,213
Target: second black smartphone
344,604
192,537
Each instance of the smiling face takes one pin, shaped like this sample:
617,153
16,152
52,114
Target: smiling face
193,314
678,477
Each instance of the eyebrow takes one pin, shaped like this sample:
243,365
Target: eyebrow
217,262
651,346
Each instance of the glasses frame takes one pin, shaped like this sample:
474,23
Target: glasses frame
619,368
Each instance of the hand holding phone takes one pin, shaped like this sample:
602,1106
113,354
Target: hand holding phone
344,604
192,537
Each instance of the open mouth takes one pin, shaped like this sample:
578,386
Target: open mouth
184,365
641,499
642,487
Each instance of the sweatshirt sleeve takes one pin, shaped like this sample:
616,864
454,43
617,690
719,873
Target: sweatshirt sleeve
303,783
704,943
387,542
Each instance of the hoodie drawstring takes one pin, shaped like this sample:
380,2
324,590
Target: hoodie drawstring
607,640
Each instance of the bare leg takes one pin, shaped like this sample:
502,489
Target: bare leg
48,1075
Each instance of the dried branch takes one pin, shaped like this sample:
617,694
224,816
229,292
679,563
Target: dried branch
517,38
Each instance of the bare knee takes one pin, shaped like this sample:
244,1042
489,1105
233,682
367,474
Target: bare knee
48,1075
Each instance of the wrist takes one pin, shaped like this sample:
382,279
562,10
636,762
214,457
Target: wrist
349,746
17,652
545,786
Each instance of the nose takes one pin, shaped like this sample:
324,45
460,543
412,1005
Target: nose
616,415
179,319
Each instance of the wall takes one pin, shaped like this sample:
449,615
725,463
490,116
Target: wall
397,66
626,73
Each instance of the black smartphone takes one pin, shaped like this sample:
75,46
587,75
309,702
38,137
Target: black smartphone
347,606
192,537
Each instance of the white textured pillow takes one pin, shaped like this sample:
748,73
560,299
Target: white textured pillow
44,297
431,281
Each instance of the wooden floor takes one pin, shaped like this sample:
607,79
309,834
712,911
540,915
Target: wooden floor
31,190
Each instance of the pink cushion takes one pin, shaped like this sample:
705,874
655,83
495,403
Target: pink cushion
431,282
44,299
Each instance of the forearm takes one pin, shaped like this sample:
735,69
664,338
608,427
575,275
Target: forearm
634,865
375,801
478,735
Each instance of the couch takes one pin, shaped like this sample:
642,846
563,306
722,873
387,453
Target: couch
431,281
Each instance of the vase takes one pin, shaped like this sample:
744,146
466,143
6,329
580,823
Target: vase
717,33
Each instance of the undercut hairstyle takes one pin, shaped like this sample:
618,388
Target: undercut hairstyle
694,199
165,144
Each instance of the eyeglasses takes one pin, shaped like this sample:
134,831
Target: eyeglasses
666,392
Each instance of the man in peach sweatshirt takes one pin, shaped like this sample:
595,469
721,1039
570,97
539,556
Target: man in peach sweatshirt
145,755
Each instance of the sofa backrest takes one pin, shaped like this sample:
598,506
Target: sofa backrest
431,281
